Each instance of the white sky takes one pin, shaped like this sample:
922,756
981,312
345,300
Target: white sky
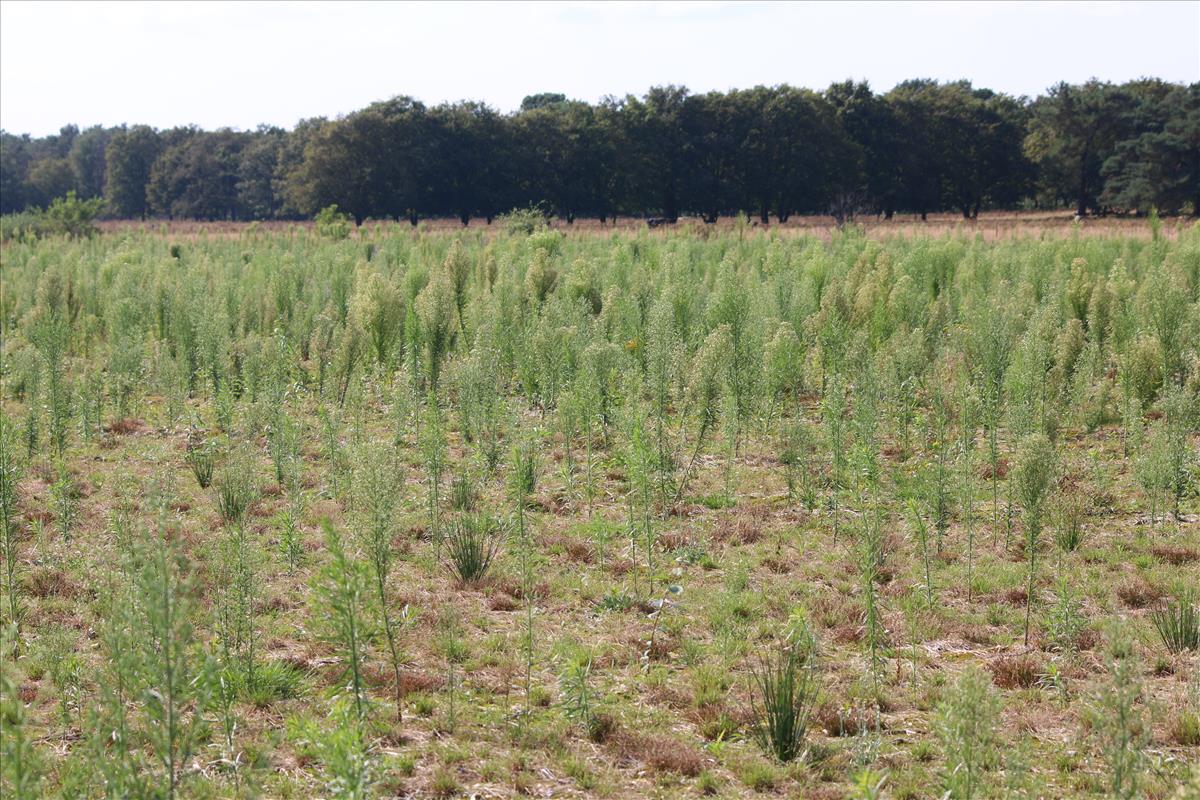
241,64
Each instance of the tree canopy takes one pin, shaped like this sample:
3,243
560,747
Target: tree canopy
768,151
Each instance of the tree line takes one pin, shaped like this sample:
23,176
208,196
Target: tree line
775,151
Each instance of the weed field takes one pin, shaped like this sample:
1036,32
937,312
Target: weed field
298,513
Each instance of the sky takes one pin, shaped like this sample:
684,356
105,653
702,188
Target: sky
248,63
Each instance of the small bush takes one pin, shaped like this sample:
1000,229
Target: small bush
1185,729
784,697
523,221
1070,514
236,489
333,224
200,459
471,544
66,216
1178,624
464,496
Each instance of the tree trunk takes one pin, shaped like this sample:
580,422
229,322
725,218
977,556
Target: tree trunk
464,217
412,218
924,216
670,207
763,215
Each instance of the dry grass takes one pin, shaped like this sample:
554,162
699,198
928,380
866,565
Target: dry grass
1016,672
1136,593
660,753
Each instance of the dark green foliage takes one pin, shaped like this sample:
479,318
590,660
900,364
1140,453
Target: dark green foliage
923,146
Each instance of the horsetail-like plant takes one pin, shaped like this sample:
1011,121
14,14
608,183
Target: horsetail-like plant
1033,479
335,452
11,472
91,411
236,600
708,384
663,355
32,432
378,308
432,439
341,588
923,539
289,520
435,308
731,431
991,345
577,695
378,482
966,485
402,405
833,415
870,559
864,425
283,444
64,500
21,766
1152,467
51,336
464,494
966,724
639,466
1179,405
522,482
169,680
1120,726
935,486
349,352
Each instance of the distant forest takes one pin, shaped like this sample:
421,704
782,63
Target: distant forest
771,152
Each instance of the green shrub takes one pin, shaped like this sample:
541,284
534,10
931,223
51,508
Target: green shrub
66,216
785,691
471,544
333,224
1178,624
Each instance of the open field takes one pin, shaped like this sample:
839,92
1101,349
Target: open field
449,512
